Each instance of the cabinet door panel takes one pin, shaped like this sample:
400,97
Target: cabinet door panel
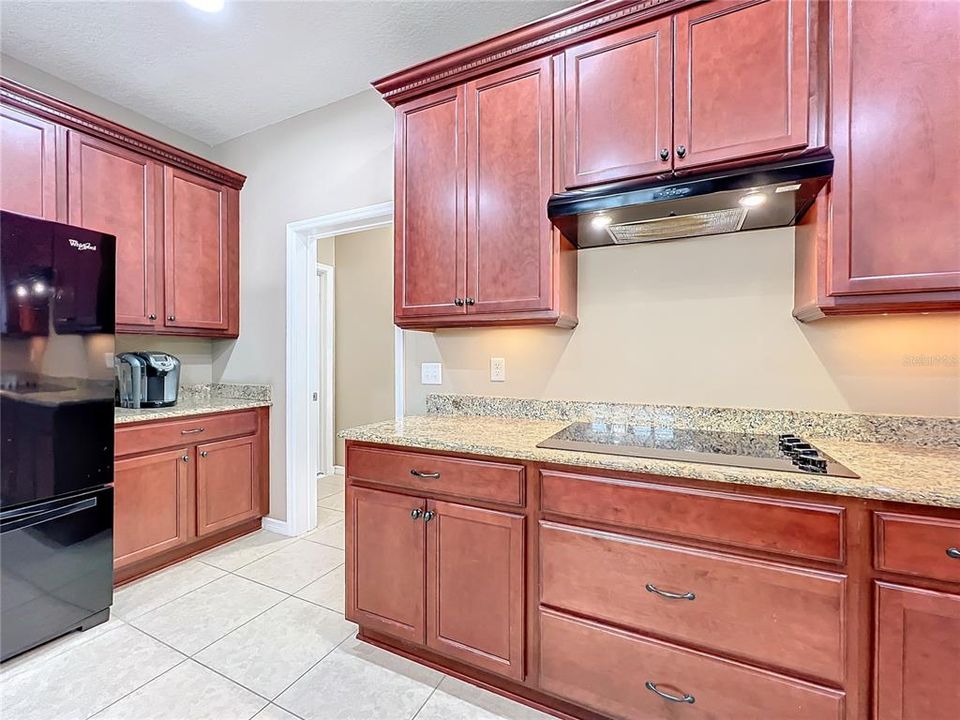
119,192
475,574
619,105
430,192
918,654
197,247
742,80
509,180
228,487
28,162
894,111
152,505
385,563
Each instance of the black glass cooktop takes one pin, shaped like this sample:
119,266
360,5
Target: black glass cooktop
766,452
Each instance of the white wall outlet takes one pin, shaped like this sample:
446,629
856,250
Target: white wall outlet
498,370
431,373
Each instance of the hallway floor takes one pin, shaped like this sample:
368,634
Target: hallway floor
252,629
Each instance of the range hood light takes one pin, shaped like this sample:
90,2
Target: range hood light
752,200
601,221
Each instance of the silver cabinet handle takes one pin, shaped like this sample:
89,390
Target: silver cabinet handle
669,595
416,513
426,475
185,458
171,318
203,453
954,553
685,698
191,432
151,316
429,515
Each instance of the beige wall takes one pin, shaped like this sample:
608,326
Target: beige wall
705,322
337,158
196,361
364,364
39,80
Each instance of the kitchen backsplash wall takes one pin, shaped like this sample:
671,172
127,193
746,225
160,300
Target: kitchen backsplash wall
195,354
705,321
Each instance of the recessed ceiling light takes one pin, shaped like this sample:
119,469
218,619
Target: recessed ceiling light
601,221
210,6
751,200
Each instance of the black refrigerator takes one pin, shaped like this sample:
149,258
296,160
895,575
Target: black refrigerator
57,286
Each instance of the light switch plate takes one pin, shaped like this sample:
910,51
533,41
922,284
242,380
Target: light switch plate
498,369
431,373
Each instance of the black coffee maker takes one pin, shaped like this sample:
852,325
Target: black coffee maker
147,379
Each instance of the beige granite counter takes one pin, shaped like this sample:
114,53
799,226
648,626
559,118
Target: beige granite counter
895,472
201,400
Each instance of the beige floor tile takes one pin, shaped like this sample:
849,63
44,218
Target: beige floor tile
85,679
188,691
333,502
360,682
32,658
274,649
142,596
329,484
294,567
272,712
329,591
460,700
193,621
332,535
327,517
245,550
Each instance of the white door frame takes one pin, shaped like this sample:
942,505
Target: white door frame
304,424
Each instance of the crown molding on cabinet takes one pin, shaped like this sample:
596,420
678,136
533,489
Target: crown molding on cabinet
36,103
535,39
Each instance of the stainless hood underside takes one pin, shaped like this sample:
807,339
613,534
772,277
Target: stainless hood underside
751,198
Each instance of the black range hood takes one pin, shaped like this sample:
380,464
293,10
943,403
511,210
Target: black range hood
750,198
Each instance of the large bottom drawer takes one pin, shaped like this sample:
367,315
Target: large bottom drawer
631,677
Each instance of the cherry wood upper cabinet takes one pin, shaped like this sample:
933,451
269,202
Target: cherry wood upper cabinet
896,105
475,576
619,105
917,654
120,192
200,247
509,181
28,163
152,505
385,562
228,483
430,224
742,80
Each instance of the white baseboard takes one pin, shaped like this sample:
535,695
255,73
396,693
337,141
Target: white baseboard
281,527
338,470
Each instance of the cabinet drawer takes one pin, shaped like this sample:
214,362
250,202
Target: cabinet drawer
473,479
916,545
176,433
788,617
792,528
608,670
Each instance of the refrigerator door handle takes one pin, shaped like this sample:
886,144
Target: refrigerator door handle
20,522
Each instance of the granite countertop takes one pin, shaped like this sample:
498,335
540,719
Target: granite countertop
201,400
894,472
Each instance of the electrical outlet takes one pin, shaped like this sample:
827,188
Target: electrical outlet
431,373
498,369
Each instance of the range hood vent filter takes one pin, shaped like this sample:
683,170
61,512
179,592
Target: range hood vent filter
713,222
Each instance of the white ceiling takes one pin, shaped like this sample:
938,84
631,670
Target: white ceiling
217,76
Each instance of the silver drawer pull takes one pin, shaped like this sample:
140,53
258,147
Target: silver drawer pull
191,432
685,698
425,475
953,553
670,595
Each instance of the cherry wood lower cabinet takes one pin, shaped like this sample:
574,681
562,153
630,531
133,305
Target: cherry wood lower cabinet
176,496
597,595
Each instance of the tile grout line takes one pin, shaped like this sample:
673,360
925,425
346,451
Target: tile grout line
126,695
164,604
29,664
300,677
